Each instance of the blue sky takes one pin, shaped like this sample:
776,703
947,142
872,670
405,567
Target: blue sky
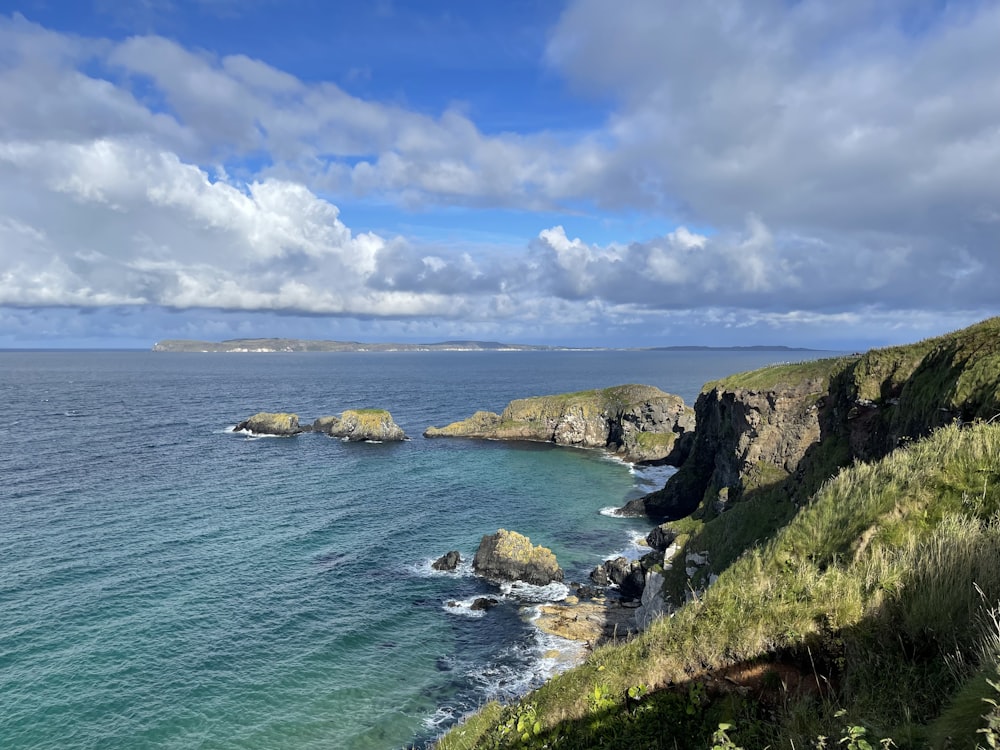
581,172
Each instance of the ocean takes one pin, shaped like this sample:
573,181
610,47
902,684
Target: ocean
167,583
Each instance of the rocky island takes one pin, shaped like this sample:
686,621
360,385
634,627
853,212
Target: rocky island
640,423
353,425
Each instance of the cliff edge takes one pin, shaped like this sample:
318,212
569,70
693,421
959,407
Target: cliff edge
640,423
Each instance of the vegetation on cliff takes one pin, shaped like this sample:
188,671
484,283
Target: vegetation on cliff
638,422
858,579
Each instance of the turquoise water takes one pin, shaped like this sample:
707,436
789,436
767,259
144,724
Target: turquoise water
165,582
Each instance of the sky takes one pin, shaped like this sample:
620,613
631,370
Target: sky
579,172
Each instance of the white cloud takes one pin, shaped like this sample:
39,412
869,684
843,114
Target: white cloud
141,227
819,159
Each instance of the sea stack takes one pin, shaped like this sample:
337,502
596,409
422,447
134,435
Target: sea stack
510,556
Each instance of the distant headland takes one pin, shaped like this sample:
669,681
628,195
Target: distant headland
271,345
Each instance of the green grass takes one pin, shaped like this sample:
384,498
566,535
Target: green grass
655,441
869,587
778,375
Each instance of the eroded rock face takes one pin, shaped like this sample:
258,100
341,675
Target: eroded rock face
661,537
745,439
510,556
637,422
271,423
628,575
357,425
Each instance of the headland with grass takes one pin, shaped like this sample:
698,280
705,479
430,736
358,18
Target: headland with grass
845,519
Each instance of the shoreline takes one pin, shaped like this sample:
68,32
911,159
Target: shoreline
569,629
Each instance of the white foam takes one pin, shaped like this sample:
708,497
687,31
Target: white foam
248,435
425,569
464,607
650,478
443,716
526,592
635,548
612,512
546,655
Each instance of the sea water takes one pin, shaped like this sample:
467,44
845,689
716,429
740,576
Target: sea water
165,582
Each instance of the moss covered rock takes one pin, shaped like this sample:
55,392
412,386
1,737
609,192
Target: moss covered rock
271,423
637,422
357,425
510,556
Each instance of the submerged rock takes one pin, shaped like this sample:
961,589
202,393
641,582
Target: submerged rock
510,556
637,422
356,425
271,423
484,603
448,561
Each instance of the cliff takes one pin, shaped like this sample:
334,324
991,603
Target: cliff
777,433
839,523
637,422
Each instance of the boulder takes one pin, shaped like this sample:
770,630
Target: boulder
510,556
483,603
611,572
661,537
628,575
448,561
271,423
633,584
356,425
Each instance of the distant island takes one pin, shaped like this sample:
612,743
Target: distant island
271,345
307,345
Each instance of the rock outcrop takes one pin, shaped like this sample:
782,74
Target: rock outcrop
640,423
356,425
448,561
353,425
594,622
510,556
271,423
747,438
628,575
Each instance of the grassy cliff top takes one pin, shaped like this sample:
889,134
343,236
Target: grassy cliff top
818,371
618,396
868,593
948,371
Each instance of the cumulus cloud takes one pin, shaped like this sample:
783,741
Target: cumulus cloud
857,124
815,161
137,226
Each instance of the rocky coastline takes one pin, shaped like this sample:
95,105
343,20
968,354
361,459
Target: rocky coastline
639,423
802,482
